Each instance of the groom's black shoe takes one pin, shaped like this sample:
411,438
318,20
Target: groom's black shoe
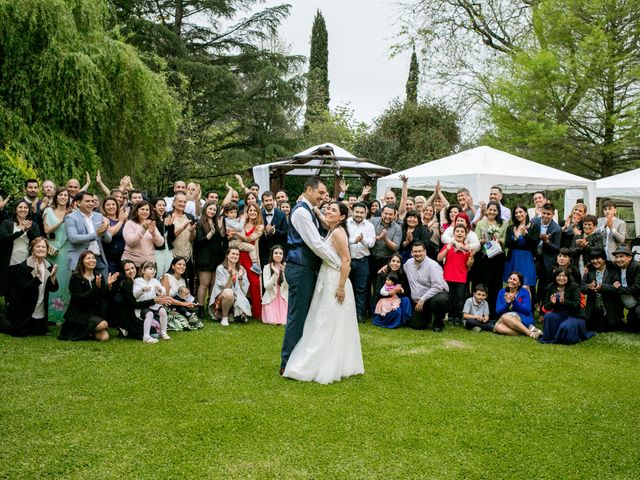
282,371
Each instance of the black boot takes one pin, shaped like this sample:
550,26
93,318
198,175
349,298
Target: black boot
201,312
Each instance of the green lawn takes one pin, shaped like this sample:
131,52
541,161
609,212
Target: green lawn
210,404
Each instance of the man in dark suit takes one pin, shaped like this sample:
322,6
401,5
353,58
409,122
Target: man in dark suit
275,227
629,285
548,247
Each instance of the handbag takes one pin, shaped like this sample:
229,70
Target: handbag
492,248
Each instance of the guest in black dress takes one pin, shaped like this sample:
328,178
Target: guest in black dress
208,250
15,235
564,321
28,293
85,317
412,231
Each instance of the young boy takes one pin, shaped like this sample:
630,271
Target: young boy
233,222
476,311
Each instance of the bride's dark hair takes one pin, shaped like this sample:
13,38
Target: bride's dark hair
344,210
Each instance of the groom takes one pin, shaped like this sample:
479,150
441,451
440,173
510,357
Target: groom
306,251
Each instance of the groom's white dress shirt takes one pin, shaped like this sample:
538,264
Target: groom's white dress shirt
303,222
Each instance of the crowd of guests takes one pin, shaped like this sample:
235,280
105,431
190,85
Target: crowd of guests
143,267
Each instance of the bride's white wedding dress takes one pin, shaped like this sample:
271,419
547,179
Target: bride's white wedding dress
330,345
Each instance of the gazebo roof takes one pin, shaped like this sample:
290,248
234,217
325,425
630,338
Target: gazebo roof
326,156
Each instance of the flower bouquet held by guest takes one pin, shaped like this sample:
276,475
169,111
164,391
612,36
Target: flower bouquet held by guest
27,300
276,289
228,299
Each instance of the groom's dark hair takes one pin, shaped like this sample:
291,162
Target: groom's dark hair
313,182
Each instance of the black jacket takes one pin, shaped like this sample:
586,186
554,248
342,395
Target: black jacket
23,296
279,237
7,237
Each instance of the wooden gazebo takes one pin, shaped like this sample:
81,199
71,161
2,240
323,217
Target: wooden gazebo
326,160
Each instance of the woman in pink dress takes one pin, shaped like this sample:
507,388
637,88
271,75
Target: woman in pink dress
252,232
276,289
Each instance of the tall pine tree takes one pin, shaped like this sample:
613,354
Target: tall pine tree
318,76
412,81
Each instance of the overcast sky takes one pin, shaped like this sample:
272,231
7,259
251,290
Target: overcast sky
361,72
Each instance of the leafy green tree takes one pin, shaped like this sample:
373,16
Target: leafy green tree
408,134
559,81
413,80
75,97
318,75
241,93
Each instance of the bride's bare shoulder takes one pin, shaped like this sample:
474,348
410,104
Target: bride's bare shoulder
339,235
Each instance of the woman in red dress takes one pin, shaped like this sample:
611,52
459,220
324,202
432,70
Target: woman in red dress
253,228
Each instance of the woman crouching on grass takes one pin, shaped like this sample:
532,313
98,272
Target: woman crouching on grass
513,308
85,317
28,297
229,294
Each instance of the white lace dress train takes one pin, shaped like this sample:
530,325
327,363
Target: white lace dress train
330,345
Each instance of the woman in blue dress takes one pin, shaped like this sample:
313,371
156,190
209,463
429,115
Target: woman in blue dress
564,321
400,316
58,252
522,241
513,308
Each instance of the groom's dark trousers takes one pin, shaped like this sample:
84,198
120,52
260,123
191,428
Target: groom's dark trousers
302,282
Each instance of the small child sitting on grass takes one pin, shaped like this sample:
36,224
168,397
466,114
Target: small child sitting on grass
476,311
389,292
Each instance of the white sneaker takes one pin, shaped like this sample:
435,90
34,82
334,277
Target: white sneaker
150,340
224,322
164,336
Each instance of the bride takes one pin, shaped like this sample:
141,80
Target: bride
330,345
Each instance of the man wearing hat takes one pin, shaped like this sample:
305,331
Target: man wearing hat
629,285
604,310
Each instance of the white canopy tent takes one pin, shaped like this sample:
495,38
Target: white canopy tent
479,168
625,186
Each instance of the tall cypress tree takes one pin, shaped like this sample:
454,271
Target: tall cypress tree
412,81
318,76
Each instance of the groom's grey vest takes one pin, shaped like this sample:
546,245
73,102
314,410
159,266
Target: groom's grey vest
299,253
